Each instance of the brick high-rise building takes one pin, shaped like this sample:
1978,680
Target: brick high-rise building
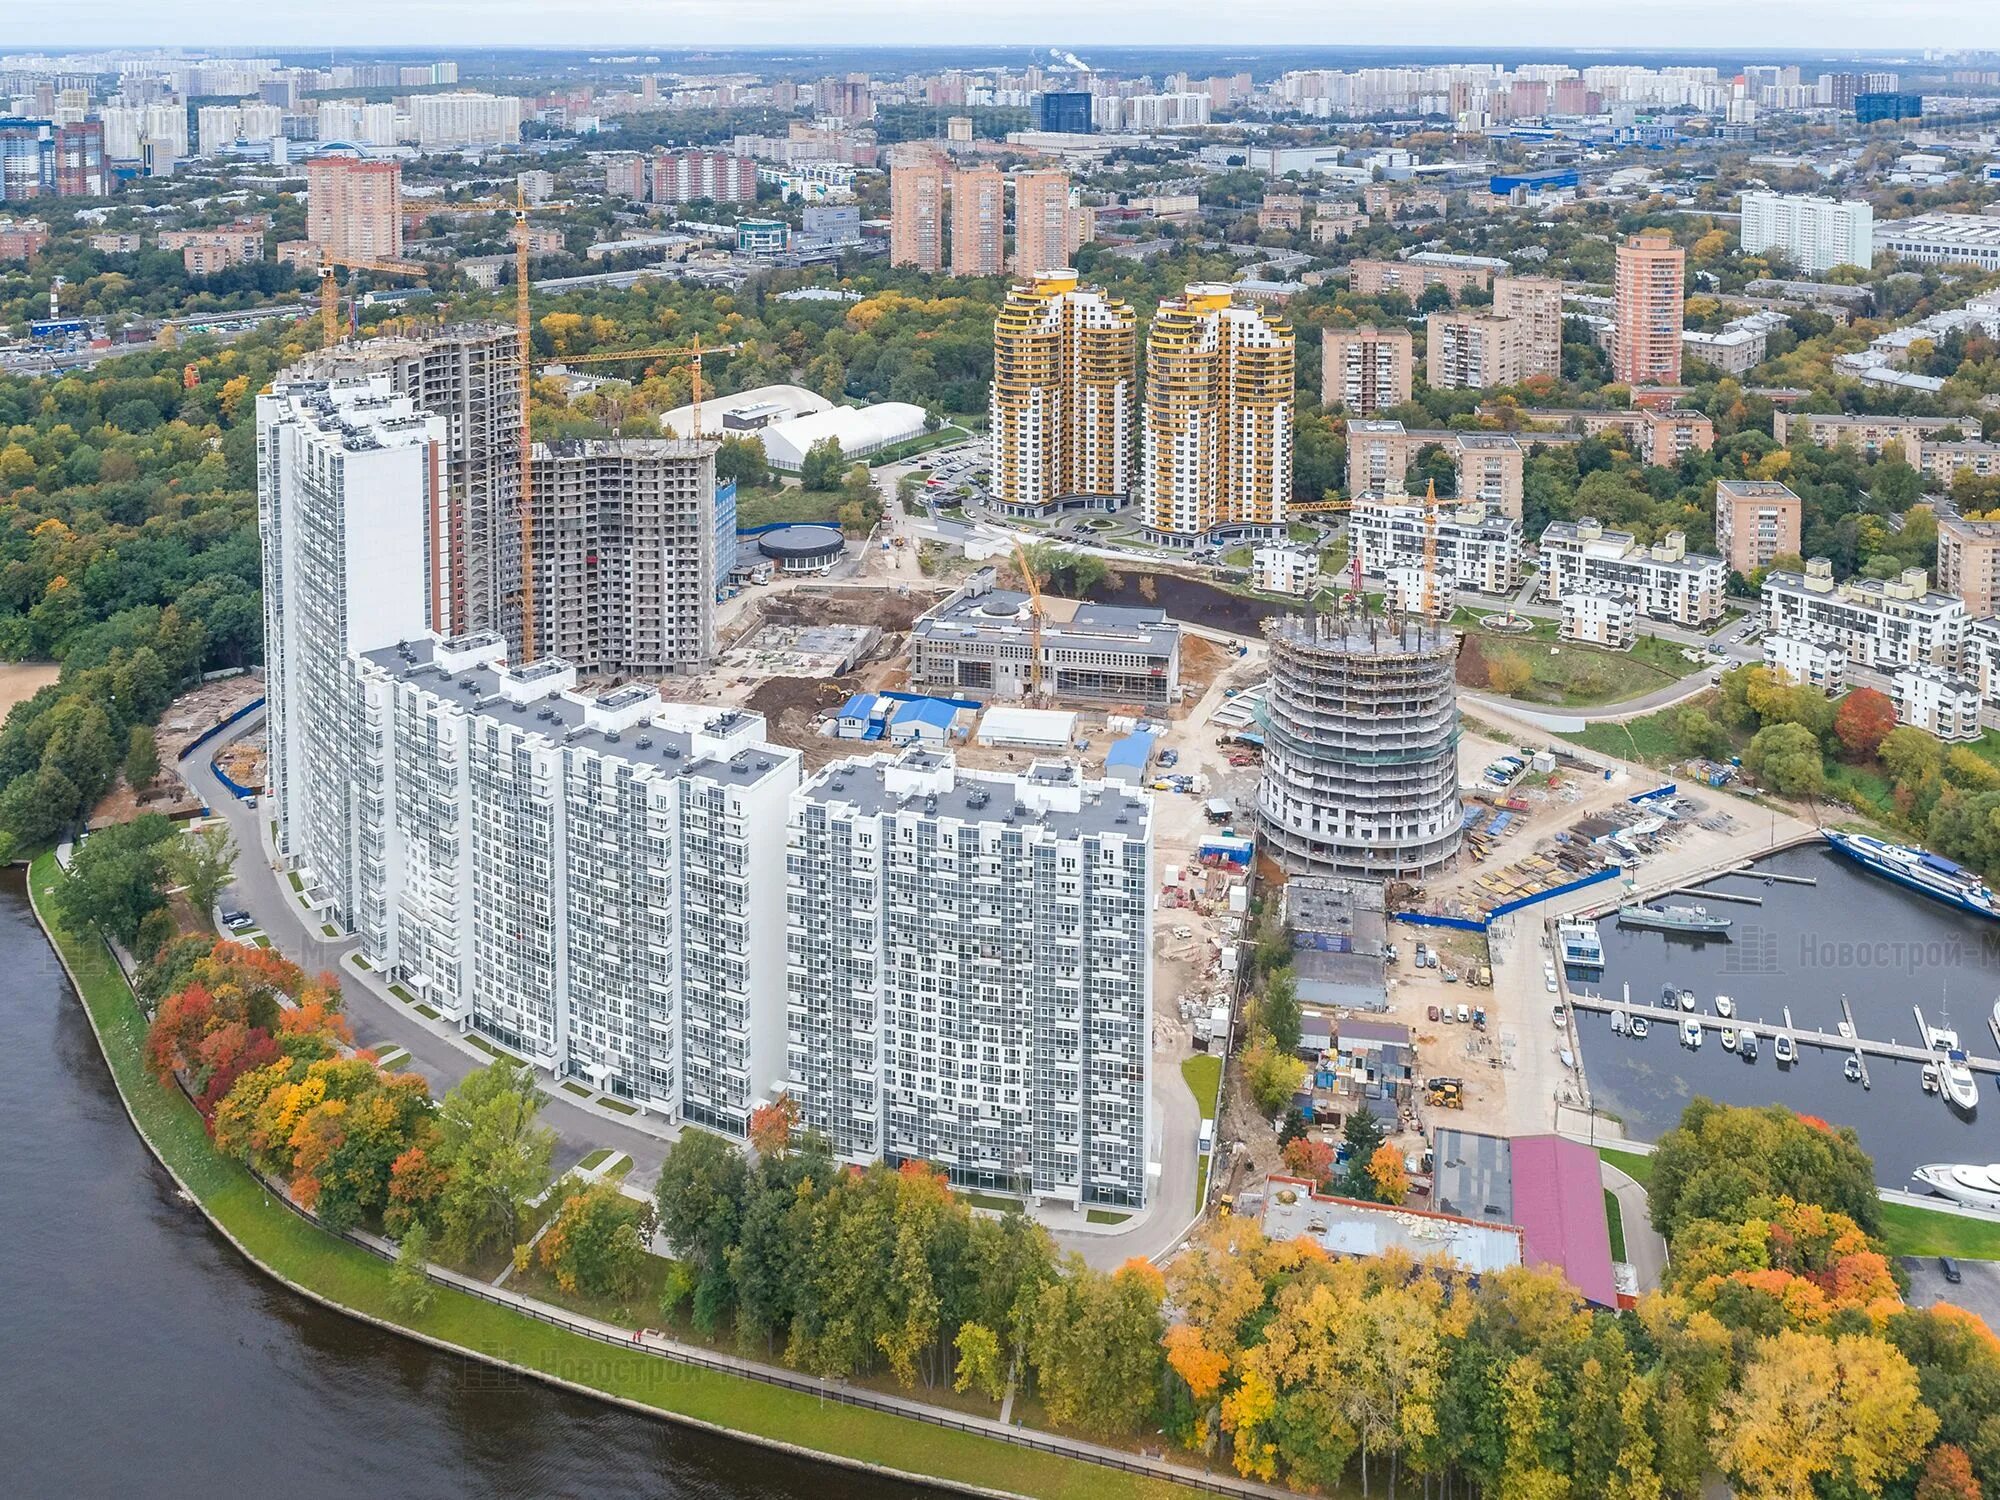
1216,441
354,206
1968,563
1045,226
1755,521
1470,350
978,221
1365,369
1065,369
718,176
916,212
1648,297
1535,303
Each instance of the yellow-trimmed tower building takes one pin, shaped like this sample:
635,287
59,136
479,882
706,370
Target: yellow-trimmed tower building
1065,373
1216,443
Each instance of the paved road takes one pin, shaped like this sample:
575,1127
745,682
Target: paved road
378,1020
1645,1250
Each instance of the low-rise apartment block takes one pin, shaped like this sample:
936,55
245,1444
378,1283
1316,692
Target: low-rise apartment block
1600,617
1942,461
1882,624
1868,432
1411,276
209,252
1664,581
1968,563
1284,569
981,640
1807,658
1477,548
1937,702
1755,521
969,969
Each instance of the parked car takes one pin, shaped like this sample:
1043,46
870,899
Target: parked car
1948,1268
1431,1014
1465,1013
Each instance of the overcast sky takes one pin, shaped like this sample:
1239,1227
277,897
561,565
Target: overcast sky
1884,25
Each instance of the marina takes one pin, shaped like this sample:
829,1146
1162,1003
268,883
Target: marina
1836,968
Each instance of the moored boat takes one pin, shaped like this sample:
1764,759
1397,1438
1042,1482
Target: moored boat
1748,1047
1961,1182
1691,1034
1919,870
1960,1087
1784,1048
1724,1006
1697,921
1729,1039
1641,1028
1580,945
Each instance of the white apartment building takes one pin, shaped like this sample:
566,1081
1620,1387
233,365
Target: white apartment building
1982,659
1664,581
1600,617
462,119
1880,624
1807,658
1405,589
1284,570
1477,548
1937,702
1815,234
969,962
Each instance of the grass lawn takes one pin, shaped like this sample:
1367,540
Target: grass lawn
297,884
1615,1221
1203,1073
1649,738
595,1160
1631,1163
1576,676
327,929
1922,1231
1105,1216
485,1046
994,1201
617,1106
363,964
767,506
402,994
428,1014
575,1088
353,1278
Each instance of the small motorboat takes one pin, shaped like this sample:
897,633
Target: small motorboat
1748,1049
1687,999
1847,1031
1852,1068
1670,997
1930,1078
1568,1057
1729,1039
1618,1023
1724,1006
1641,1028
1691,1034
1785,1048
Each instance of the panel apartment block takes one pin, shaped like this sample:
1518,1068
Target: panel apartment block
969,960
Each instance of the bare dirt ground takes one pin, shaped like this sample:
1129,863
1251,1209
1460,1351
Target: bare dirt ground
186,719
21,680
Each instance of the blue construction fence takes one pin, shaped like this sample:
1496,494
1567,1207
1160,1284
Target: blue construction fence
241,793
1658,793
1480,924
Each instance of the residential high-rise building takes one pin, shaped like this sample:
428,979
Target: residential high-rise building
1467,349
1968,563
1815,234
469,375
916,211
1873,108
1216,439
589,880
1535,304
80,171
1046,228
1757,520
1648,305
354,206
624,554
718,176
969,960
27,159
1361,747
1066,113
1065,372
461,119
1365,369
978,221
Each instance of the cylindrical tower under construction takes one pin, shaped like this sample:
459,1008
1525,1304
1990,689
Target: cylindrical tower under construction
1361,747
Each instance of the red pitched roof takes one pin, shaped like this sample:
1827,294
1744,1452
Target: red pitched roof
1559,1204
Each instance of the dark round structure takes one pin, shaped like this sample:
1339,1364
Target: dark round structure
799,549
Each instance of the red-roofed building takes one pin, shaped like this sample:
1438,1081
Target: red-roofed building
1548,1187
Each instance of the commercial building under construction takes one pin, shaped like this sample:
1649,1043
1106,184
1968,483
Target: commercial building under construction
1361,746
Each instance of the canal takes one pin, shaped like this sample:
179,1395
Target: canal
1884,949
148,1357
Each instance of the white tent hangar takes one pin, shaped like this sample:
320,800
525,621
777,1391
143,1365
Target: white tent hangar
1040,728
862,430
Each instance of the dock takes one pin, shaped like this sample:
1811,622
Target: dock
1862,1047
1689,890
1860,1057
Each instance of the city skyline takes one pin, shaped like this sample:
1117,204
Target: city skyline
1049,23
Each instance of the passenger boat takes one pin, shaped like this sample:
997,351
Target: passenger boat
1974,1186
1580,946
1925,873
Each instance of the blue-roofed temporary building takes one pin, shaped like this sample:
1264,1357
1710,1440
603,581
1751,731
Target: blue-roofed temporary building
1129,757
922,720
862,716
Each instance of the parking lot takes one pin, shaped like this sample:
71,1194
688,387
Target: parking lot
1977,1291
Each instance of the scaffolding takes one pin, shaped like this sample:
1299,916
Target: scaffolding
1361,746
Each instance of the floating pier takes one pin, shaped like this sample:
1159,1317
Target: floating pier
1861,1046
1690,890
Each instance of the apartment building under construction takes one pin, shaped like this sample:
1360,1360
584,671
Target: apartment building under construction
1361,746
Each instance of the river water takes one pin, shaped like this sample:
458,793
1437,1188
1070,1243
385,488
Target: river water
145,1356
1884,949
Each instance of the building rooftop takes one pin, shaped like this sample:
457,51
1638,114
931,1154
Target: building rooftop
972,612
1548,1187
1344,1226
1051,797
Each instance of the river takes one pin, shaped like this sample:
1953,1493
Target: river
146,1356
1884,949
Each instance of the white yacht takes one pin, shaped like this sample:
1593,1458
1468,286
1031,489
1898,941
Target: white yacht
1960,1087
1691,1034
1977,1187
1724,1006
1785,1049
1729,1039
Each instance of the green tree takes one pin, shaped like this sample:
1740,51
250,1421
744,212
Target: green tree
823,466
411,1291
596,1243
142,757
1731,1164
204,863
1279,1010
701,1195
1095,1347
1271,1073
1910,755
1698,734
114,878
742,459
1362,1136
1787,758
979,1366
495,1155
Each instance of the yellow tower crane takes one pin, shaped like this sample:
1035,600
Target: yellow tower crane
329,289
1430,550
1035,624
693,353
